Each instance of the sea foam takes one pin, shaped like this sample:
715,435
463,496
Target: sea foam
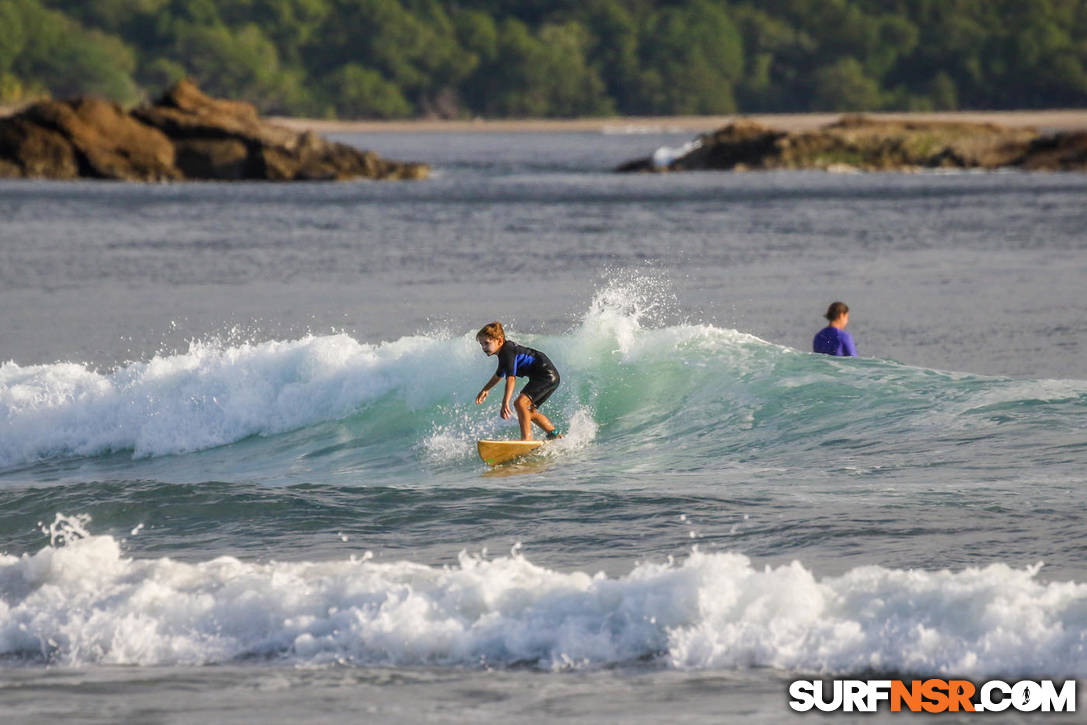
85,603
210,395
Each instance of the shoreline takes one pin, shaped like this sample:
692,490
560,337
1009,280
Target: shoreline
1046,120
1052,120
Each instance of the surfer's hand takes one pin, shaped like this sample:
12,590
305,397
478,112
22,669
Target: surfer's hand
481,397
506,412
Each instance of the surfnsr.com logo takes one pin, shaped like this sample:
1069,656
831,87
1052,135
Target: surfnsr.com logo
932,695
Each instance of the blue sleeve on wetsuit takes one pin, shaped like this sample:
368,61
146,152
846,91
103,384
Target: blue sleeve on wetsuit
848,348
523,360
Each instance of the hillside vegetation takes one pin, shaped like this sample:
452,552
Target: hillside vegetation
553,58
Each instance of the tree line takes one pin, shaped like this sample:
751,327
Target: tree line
554,58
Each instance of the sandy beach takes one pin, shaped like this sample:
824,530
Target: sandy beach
1069,119
1043,120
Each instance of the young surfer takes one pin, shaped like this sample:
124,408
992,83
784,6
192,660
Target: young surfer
833,339
518,361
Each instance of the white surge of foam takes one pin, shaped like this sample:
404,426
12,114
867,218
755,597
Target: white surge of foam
665,155
633,318
212,395
85,603
455,441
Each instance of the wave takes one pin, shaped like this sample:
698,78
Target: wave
80,601
627,375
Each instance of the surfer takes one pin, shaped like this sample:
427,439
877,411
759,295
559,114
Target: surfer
833,339
516,360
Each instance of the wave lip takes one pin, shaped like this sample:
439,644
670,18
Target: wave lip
85,603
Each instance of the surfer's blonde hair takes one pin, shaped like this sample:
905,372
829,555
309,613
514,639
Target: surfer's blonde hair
492,330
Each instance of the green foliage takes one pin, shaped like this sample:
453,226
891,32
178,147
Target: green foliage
362,93
53,51
12,36
695,54
111,16
942,92
776,55
241,62
291,24
843,86
477,34
416,49
540,74
11,90
393,58
612,49
161,73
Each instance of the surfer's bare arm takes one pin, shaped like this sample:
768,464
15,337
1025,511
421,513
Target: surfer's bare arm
506,412
486,388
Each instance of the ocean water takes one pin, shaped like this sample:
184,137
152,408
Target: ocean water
237,422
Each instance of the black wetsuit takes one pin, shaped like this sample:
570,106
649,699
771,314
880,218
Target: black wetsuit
518,361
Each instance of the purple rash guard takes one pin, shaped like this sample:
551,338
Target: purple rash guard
832,341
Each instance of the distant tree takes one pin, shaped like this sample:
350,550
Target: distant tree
12,34
111,16
197,12
574,88
541,75
692,56
942,92
292,25
1048,64
57,53
843,86
892,38
159,74
359,92
874,34
504,85
777,62
612,49
417,51
241,63
477,33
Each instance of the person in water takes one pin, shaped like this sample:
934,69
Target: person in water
518,361
833,339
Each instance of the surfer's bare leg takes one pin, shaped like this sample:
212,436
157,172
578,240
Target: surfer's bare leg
527,414
523,406
541,420
533,415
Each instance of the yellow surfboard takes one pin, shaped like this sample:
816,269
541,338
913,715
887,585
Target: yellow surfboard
495,452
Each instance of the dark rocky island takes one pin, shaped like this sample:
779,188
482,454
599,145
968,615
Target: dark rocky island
857,143
186,135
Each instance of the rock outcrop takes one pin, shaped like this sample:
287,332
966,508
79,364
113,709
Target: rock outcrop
856,143
186,135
